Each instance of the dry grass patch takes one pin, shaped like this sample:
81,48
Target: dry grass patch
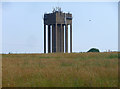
65,70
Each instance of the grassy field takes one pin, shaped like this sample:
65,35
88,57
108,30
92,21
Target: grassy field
60,70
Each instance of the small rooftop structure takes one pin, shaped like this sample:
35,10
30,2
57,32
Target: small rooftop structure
57,9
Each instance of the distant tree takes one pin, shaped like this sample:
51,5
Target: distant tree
93,50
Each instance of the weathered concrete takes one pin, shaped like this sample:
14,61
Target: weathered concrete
62,38
49,40
53,38
56,45
66,38
44,38
71,38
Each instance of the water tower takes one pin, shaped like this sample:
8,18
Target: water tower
56,24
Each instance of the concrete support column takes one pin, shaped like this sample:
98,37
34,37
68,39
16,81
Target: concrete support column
44,38
66,38
58,37
56,45
49,42
70,38
62,38
53,38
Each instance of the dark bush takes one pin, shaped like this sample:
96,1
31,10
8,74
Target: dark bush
93,50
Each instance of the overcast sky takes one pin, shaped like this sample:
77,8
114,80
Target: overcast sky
95,25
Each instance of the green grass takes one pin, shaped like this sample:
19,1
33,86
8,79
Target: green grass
60,70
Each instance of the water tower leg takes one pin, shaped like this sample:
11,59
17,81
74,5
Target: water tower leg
56,48
44,38
53,38
62,38
70,38
66,38
49,41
